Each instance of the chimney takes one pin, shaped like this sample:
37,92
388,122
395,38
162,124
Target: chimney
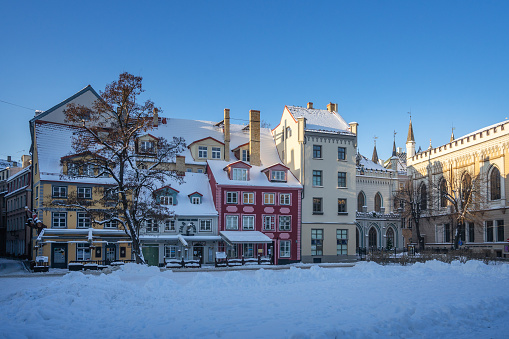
226,131
180,165
332,107
26,160
353,127
254,137
310,105
156,117
9,158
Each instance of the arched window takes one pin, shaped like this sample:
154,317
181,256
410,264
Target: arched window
389,238
372,237
361,201
424,197
466,189
495,184
443,192
378,202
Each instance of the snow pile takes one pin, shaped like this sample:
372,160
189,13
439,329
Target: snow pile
419,301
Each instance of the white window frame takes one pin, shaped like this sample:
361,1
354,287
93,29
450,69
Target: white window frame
269,198
170,251
342,240
202,152
284,248
89,170
245,155
166,199
83,251
248,250
205,225
239,174
85,192
61,217
59,192
147,146
169,225
195,200
269,222
277,176
232,222
285,223
284,199
72,169
151,226
248,222
83,220
111,224
232,197
216,152
249,197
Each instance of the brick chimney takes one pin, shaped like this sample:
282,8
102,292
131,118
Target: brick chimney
26,160
226,131
332,107
254,137
180,165
156,117
310,105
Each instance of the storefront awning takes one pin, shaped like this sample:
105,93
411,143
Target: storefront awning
242,237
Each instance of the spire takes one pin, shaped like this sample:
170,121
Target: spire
394,153
410,136
452,134
374,158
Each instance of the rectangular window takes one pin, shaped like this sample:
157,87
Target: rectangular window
59,192
268,222
151,226
248,198
500,230
216,153
166,200
239,174
248,222
341,179
202,151
83,220
317,151
447,230
169,225
89,170
317,206
471,230
111,224
59,220
248,250
205,225
170,251
147,146
85,192
82,251
231,197
245,155
232,222
200,170
268,198
277,176
341,153
317,178
284,199
195,200
72,169
316,242
489,231
285,223
342,242
37,192
341,206
284,249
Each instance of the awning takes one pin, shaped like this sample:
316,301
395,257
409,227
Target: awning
243,237
178,237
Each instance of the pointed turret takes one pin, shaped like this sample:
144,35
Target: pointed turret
410,141
374,158
452,135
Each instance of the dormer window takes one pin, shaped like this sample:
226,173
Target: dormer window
147,146
239,174
72,169
216,152
166,200
202,151
88,170
195,200
245,155
277,176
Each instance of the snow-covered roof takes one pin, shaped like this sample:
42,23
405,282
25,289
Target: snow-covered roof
320,119
240,237
4,164
193,182
370,165
23,171
53,142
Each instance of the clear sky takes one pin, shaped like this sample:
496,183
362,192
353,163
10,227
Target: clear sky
446,61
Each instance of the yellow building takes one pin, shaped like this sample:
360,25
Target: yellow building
480,160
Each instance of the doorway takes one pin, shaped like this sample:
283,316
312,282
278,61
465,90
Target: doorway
111,254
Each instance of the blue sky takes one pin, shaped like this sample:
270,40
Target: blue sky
446,61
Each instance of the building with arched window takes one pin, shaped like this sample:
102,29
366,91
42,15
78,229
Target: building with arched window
469,172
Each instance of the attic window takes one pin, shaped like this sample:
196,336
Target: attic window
147,146
72,169
166,200
245,155
239,174
195,200
277,176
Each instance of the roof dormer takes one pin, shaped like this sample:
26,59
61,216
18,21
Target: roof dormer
166,195
84,164
238,170
241,152
195,198
276,173
207,149
146,145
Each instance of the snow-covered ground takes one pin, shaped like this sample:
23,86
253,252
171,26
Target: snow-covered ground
431,300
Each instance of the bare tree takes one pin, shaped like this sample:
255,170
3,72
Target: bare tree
107,145
412,201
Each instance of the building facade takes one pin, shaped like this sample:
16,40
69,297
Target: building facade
319,148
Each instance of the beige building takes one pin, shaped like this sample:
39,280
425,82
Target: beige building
480,160
319,147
